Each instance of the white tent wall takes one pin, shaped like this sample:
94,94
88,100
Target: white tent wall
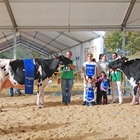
79,51
99,43
76,55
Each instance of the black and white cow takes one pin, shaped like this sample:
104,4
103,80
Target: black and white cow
12,73
131,70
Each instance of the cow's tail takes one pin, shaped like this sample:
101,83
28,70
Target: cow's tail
1,83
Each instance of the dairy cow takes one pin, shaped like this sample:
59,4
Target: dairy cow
131,70
12,73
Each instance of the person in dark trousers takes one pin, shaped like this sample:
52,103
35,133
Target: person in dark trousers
102,66
67,79
12,91
104,84
98,96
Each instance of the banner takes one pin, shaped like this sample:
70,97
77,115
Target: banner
90,70
89,95
29,76
105,84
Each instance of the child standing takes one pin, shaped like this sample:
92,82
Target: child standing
90,91
104,84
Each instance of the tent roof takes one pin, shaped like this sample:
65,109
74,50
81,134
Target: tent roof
45,42
35,18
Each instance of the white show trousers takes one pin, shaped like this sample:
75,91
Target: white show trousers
119,88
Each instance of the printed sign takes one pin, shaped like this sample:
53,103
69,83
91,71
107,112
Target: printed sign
90,70
89,95
105,84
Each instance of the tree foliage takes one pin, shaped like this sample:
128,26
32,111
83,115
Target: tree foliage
113,41
22,53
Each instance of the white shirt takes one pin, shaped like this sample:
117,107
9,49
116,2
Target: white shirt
103,66
89,63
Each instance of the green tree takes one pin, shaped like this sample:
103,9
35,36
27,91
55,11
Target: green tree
22,53
113,41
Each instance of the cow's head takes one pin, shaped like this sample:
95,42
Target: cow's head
117,63
63,60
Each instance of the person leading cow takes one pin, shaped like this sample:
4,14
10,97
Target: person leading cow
12,73
115,78
67,79
131,70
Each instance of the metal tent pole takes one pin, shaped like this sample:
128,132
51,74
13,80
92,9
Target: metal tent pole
15,52
123,54
123,42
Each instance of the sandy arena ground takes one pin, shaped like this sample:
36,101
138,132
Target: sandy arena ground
20,119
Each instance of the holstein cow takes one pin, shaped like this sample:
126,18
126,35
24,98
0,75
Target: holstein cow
131,70
12,73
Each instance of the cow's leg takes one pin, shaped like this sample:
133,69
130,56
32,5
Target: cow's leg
138,91
134,96
40,95
139,99
44,84
38,99
43,97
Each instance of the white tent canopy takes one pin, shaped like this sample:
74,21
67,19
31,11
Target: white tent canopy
66,19
46,42
69,15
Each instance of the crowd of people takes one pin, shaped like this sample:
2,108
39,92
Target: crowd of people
105,78
96,75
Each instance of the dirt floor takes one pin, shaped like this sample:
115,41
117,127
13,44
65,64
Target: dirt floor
20,119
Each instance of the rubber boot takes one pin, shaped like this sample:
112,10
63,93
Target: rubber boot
101,102
104,101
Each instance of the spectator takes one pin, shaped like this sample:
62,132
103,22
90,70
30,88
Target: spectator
12,91
102,66
90,91
67,79
86,73
104,84
100,57
115,77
